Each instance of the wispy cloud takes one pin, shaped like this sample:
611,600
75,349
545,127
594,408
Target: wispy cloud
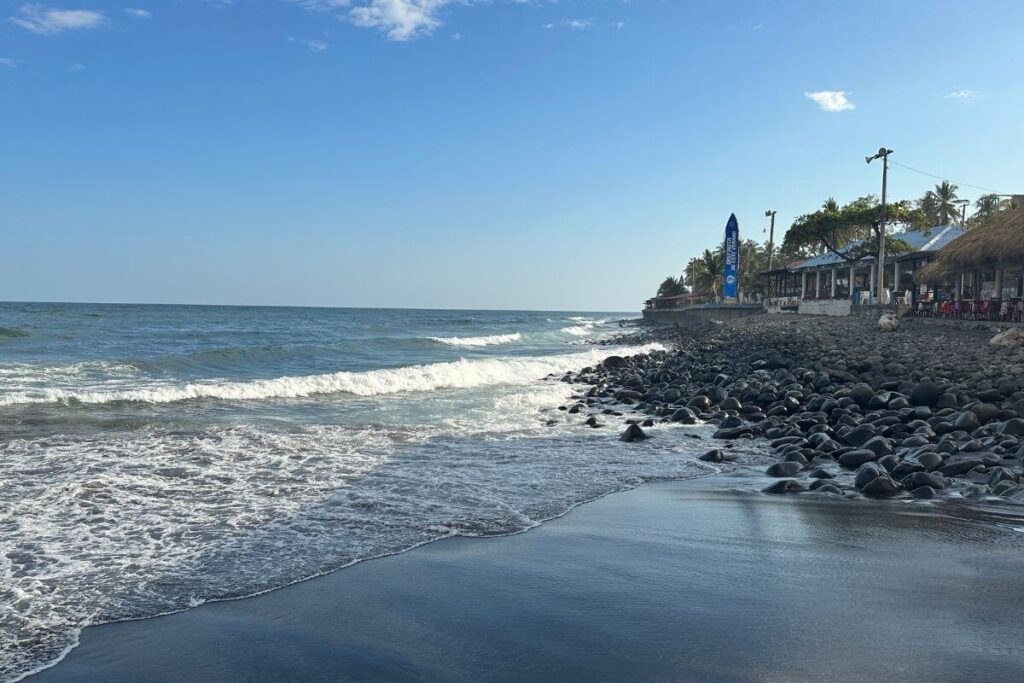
576,24
316,45
961,94
138,13
47,21
399,19
8,63
831,100
75,68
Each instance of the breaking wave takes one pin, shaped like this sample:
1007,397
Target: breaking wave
460,374
479,341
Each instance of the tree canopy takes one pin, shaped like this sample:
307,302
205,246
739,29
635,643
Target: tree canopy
852,231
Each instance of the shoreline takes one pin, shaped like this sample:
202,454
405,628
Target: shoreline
532,604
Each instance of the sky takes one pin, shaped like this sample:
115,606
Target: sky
468,154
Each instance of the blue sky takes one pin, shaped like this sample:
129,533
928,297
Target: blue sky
433,153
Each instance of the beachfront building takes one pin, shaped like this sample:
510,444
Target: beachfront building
830,277
979,276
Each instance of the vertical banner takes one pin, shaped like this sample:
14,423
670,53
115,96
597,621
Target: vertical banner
732,258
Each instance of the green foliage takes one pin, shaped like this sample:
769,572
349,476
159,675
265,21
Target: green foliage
851,232
671,286
986,207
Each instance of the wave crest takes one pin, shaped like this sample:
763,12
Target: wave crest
479,341
460,374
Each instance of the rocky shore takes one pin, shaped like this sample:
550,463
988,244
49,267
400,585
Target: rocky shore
848,409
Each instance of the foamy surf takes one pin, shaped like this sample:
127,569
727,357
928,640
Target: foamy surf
491,340
460,374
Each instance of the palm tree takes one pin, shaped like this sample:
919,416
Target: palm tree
712,267
929,206
671,286
987,206
945,203
830,205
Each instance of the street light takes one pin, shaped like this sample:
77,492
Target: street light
771,244
882,154
963,211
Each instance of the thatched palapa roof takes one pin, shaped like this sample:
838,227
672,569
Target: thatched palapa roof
997,243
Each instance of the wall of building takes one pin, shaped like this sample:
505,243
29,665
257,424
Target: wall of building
702,313
830,307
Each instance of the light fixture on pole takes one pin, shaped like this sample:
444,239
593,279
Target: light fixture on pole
882,154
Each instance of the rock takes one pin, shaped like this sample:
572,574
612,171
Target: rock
879,445
947,400
854,459
633,433
918,479
784,486
1013,426
958,468
1012,338
784,469
868,472
929,461
859,436
746,432
684,415
888,322
829,488
592,422
613,362
714,455
966,421
985,412
862,394
925,394
819,473
923,493
880,487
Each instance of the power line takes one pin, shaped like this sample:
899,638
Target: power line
948,180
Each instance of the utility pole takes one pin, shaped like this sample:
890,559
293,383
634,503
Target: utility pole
882,154
771,244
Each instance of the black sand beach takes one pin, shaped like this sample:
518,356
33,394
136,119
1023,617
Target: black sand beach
703,580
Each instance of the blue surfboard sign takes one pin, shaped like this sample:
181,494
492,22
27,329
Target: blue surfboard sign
732,259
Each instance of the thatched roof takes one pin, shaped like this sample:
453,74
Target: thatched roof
997,243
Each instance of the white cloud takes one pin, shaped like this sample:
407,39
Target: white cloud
831,100
75,68
316,45
961,94
322,5
577,24
138,13
548,26
399,19
45,21
620,24
8,63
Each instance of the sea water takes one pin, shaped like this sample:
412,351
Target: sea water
153,458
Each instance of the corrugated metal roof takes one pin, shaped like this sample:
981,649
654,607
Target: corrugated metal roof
919,240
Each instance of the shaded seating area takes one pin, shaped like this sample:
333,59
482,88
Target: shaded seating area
980,276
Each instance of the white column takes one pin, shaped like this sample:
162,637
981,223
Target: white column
834,271
803,285
895,278
817,284
853,273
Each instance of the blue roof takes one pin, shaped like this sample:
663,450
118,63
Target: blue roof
919,240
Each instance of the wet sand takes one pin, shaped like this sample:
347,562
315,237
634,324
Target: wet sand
676,581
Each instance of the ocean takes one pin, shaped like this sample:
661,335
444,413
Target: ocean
153,458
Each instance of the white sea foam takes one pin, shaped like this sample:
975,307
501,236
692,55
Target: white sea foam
491,340
460,374
578,330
